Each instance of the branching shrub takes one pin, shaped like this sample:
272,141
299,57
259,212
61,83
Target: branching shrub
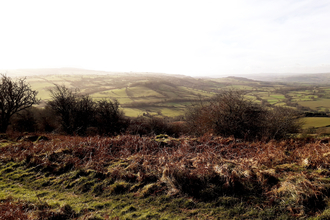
77,113
232,114
64,104
109,118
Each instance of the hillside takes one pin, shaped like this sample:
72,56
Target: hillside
315,78
169,95
132,177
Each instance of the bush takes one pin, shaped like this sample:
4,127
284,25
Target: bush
232,114
109,118
282,122
154,125
78,113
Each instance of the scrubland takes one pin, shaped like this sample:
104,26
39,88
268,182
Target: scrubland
133,177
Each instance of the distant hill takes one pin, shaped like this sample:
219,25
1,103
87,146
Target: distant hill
162,94
59,71
315,78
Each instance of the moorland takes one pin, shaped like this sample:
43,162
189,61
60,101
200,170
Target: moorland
158,176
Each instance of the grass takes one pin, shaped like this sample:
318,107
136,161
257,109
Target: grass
277,96
316,122
142,91
133,112
316,104
164,90
199,92
130,177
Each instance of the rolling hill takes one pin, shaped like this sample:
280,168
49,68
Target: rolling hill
169,95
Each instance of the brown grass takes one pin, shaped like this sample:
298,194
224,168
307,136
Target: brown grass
286,173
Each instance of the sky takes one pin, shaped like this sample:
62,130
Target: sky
197,38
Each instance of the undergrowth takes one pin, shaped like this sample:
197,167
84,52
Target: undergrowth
132,177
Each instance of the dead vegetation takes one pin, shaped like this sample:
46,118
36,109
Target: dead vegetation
291,175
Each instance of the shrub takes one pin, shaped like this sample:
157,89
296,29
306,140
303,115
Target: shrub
232,114
24,121
109,118
78,113
154,125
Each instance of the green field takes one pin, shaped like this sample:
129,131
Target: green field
317,104
171,94
316,122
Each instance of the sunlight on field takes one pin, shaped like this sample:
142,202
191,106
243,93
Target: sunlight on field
133,112
316,122
171,112
197,92
277,96
316,104
42,88
141,91
112,93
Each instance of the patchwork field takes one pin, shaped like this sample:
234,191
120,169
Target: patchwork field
169,95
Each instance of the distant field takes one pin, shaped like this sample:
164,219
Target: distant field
133,112
316,122
171,94
316,104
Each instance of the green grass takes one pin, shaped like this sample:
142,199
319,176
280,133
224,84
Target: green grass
316,104
277,96
197,92
161,90
23,184
132,177
141,91
316,122
133,112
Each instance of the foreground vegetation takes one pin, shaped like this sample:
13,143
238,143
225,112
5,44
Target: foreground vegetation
132,177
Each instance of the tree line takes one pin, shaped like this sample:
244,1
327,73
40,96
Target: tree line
229,113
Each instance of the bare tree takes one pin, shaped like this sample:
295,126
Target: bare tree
15,96
78,112
64,104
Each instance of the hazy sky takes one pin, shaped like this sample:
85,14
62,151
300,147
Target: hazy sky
181,36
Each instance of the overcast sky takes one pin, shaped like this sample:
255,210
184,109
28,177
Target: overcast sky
189,37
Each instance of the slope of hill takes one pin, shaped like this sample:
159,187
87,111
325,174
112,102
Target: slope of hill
169,95
132,177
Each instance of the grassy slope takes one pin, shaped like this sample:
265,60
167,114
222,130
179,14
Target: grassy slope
130,177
